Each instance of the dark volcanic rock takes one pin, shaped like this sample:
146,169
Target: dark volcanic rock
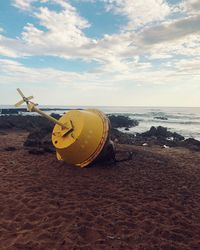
39,127
161,118
28,123
34,138
56,116
40,134
40,138
161,136
122,138
155,136
192,144
36,151
47,143
14,111
119,121
162,132
9,111
5,124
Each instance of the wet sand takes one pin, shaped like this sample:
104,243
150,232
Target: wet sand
150,202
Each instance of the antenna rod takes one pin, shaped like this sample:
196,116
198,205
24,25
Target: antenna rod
32,108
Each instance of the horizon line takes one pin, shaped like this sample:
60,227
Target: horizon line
117,106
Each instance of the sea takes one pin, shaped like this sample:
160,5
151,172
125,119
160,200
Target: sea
183,120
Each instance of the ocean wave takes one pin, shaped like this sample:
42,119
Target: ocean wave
165,122
193,117
165,116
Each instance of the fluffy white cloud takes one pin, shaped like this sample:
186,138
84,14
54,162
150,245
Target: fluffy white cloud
126,57
63,34
140,13
23,4
8,47
63,28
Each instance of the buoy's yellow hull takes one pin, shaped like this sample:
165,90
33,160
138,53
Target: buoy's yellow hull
83,143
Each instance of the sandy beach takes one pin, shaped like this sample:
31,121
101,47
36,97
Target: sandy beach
111,87
149,202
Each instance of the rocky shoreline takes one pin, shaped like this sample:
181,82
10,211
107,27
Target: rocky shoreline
16,111
40,129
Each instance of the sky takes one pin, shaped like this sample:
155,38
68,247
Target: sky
101,52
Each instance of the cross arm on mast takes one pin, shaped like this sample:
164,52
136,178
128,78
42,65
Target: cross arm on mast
31,106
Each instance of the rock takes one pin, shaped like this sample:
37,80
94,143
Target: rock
120,137
36,151
40,130
192,141
178,137
107,153
40,138
34,139
191,144
32,143
56,116
160,118
150,133
162,133
13,111
5,124
9,111
28,123
47,144
120,121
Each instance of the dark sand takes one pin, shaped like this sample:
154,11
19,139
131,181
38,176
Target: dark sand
150,202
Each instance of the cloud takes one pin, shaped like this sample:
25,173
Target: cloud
171,31
23,4
189,66
14,48
63,29
61,34
190,6
158,47
16,72
139,13
106,78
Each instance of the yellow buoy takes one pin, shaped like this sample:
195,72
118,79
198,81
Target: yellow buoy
79,136
81,144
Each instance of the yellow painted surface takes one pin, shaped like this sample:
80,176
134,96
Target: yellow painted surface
83,143
78,136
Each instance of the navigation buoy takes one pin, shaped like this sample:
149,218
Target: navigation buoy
79,136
